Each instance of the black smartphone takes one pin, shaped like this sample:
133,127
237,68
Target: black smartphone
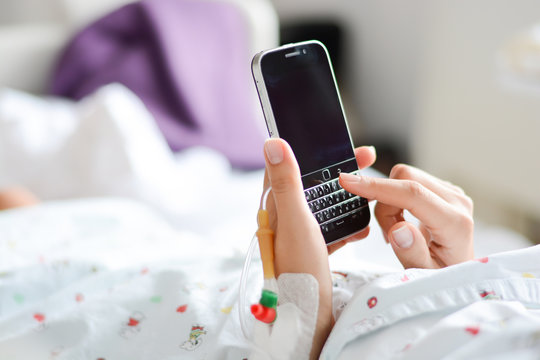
301,104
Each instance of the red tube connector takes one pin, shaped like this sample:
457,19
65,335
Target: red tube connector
262,313
265,310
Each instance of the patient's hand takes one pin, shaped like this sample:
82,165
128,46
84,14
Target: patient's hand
16,196
445,235
299,245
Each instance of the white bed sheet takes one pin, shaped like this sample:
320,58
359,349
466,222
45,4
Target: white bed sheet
108,278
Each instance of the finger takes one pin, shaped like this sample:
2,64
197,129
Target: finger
456,188
335,246
365,156
387,216
410,246
404,194
284,176
442,188
356,237
446,190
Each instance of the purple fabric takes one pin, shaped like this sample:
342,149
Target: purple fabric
188,61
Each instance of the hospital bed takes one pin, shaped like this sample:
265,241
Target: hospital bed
103,268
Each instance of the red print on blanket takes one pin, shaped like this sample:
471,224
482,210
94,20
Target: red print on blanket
42,324
372,302
489,295
39,317
132,326
473,330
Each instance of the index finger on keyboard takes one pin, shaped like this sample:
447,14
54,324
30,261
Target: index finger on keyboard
404,194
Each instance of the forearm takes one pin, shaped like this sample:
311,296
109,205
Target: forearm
325,322
309,256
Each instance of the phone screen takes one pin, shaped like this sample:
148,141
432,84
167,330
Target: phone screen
306,107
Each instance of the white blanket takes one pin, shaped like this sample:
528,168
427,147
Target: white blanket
482,309
109,278
93,279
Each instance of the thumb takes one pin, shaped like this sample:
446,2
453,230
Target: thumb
284,175
410,246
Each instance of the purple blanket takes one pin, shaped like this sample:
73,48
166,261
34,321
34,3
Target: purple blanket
188,61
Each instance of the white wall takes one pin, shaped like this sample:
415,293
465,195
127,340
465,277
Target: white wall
424,73
471,125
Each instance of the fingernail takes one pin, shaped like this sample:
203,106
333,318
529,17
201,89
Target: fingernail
349,178
403,237
274,151
372,148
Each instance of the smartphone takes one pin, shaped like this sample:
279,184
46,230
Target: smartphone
301,104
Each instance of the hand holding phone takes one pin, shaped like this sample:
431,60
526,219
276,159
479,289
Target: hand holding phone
301,104
299,245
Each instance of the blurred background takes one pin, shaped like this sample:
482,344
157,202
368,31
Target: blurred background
450,86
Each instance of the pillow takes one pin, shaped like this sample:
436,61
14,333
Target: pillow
189,62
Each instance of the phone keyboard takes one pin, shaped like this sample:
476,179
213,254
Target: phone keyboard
333,207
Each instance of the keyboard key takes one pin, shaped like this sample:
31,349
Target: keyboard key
324,203
326,215
330,200
330,226
326,189
338,224
355,216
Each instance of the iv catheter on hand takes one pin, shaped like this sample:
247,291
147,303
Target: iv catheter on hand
269,331
265,310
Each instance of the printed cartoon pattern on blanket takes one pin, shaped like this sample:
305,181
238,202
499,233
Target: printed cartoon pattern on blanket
88,275
195,338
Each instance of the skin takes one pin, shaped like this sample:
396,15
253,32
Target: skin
444,236
16,196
